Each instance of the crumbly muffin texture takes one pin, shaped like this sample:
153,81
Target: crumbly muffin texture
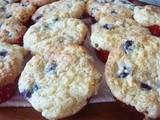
132,73
124,3
60,9
100,8
39,2
11,58
4,2
110,31
11,31
17,11
147,15
60,82
48,33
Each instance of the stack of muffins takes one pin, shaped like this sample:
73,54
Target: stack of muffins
130,35
61,76
119,19
13,17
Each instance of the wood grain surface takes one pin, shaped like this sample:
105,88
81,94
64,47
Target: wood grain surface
98,111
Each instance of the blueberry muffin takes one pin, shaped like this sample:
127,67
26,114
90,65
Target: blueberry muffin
39,2
11,31
11,58
59,82
4,2
17,11
147,15
101,8
60,9
132,74
48,33
110,31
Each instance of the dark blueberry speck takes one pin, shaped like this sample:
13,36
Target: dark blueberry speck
38,17
128,46
52,68
145,86
2,9
69,5
123,75
96,45
35,88
94,10
8,16
124,72
113,12
56,19
108,26
45,26
24,5
112,1
3,53
26,94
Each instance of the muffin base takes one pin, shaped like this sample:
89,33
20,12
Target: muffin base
102,55
8,91
155,30
133,110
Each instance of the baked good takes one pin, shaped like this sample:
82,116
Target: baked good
39,2
48,33
17,11
132,74
110,31
59,82
11,58
60,9
155,30
101,8
11,31
4,2
148,16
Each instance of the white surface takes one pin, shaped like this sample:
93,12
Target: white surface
104,94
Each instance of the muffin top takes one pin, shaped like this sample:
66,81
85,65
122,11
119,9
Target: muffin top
109,31
11,58
60,9
132,73
48,33
5,2
59,83
11,31
17,11
147,15
39,2
101,8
